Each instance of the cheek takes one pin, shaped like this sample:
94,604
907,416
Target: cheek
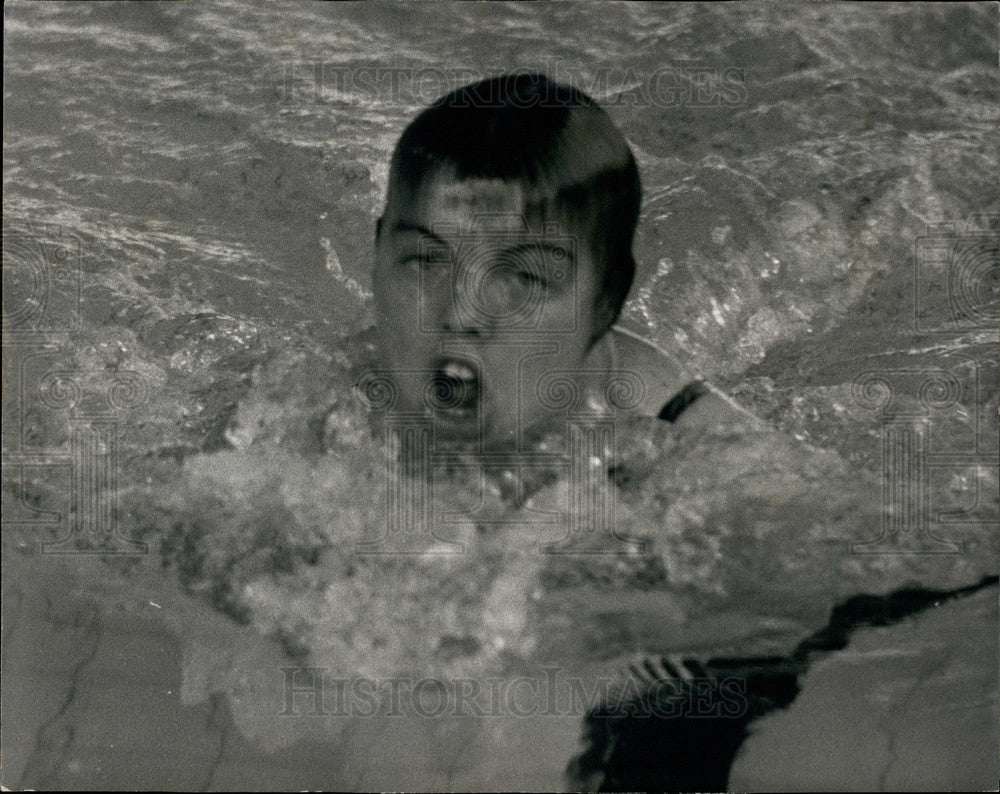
396,318
587,310
381,289
392,295
383,279
568,319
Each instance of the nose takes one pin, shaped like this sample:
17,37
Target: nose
456,317
471,298
452,303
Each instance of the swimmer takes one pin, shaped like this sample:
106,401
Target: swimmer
503,259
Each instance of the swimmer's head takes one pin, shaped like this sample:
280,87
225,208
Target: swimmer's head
572,163
507,232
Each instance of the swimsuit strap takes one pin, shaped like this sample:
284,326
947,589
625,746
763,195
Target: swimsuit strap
677,404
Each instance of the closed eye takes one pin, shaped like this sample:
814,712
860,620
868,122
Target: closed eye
540,263
424,260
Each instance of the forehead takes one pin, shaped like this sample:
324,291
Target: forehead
444,203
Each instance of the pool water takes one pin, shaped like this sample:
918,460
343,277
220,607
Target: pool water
190,199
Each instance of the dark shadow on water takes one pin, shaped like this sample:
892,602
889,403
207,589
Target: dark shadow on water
636,745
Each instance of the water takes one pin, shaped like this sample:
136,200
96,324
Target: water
198,189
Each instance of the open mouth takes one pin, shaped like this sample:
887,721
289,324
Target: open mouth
454,389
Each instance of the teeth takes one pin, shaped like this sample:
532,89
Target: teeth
458,371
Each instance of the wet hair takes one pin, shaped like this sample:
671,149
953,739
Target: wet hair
554,140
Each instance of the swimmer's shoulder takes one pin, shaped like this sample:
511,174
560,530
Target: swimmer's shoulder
673,392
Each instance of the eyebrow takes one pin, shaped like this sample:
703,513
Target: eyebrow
406,226
535,245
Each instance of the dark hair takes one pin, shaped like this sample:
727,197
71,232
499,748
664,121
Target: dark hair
554,140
